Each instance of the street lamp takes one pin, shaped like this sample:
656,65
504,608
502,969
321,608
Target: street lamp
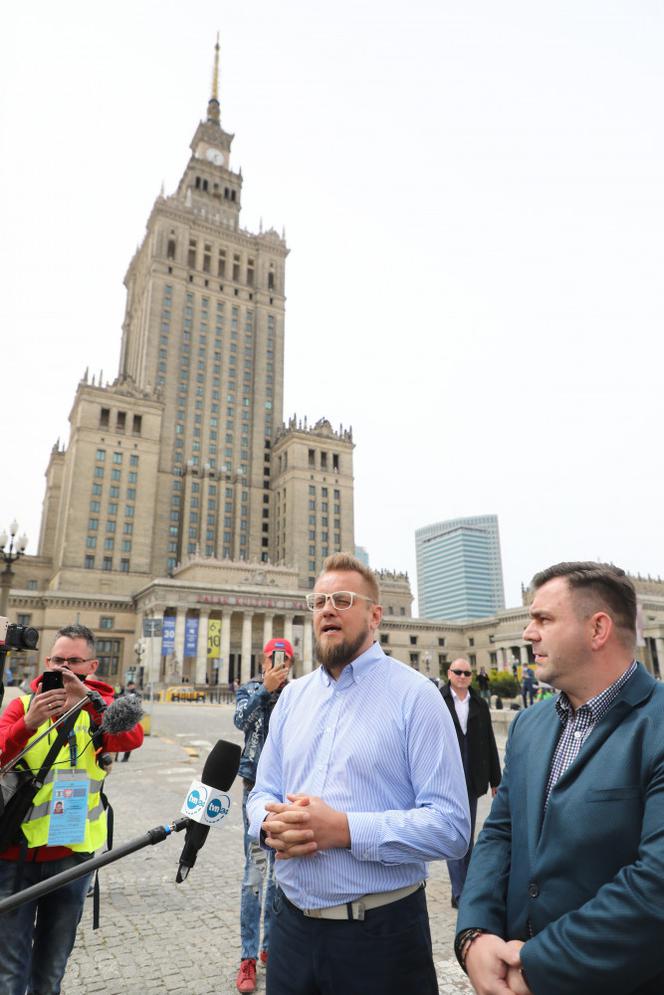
13,552
139,650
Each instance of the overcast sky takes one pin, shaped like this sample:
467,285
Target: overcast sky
473,197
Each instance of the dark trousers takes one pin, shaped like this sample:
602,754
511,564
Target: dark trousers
387,953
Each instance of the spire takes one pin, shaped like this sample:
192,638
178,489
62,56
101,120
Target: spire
213,102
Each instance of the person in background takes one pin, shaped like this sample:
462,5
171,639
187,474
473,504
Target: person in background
483,683
38,936
254,703
479,753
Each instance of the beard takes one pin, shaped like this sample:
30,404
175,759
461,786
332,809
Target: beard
339,654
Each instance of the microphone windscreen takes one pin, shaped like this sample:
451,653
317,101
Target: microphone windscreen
122,714
221,765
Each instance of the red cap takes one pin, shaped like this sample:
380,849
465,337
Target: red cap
278,644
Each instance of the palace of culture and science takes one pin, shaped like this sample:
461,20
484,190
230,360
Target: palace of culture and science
184,520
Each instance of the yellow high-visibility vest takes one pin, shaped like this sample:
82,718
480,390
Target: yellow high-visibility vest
35,827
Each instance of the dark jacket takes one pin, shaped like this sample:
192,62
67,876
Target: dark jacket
584,879
483,767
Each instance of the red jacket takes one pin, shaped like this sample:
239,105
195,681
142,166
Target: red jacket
14,735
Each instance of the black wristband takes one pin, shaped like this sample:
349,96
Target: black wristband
462,942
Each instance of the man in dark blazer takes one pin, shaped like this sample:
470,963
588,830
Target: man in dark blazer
472,722
565,892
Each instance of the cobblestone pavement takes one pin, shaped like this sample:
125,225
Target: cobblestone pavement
157,936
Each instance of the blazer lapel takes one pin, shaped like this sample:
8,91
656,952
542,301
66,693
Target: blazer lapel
539,765
638,688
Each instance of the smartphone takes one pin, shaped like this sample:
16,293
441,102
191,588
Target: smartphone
52,680
278,659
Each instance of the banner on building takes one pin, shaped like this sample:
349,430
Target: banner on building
168,635
214,638
190,636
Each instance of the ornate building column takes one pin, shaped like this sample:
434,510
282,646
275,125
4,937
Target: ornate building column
268,620
308,645
245,671
225,648
180,616
202,646
288,628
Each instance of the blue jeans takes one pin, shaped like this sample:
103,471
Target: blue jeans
458,869
37,938
258,882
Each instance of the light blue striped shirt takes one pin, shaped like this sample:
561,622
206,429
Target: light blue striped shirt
378,744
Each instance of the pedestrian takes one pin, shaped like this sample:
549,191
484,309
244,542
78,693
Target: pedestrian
479,753
39,935
483,684
254,704
564,891
129,688
528,687
360,783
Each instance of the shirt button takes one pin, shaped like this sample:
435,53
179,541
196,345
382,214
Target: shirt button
577,735
533,890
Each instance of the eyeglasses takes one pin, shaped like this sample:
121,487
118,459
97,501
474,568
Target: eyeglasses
341,601
461,673
70,661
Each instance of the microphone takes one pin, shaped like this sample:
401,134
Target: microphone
218,774
121,715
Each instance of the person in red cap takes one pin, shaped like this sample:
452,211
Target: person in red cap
254,703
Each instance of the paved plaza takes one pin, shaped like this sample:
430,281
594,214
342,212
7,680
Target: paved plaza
157,936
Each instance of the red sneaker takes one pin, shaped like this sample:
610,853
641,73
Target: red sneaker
263,956
246,976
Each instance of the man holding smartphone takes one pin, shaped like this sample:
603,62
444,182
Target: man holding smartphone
254,703
38,936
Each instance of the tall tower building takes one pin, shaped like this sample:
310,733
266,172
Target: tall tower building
204,327
459,568
313,496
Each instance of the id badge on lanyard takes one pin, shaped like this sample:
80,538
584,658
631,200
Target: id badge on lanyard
69,807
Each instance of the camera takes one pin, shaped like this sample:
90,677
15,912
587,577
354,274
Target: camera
17,637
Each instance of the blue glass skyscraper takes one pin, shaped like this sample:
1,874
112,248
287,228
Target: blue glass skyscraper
459,569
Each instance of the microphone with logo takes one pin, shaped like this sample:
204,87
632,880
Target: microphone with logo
207,803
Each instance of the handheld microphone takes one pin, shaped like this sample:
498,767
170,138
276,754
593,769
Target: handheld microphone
218,774
121,715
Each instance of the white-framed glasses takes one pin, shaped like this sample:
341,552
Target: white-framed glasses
341,601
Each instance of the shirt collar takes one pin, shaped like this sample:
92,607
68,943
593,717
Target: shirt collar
598,705
463,701
358,669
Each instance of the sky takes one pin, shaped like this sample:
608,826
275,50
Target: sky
473,198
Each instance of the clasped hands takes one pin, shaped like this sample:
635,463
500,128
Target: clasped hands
494,966
304,825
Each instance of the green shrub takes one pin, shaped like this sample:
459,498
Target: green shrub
504,684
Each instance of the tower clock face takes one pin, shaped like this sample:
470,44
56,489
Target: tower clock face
215,156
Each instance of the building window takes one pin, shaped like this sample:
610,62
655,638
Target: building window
312,457
100,455
104,417
414,659
32,585
384,638
413,640
137,424
107,563
106,622
89,562
133,460
335,462
124,566
121,420
23,619
441,640
108,654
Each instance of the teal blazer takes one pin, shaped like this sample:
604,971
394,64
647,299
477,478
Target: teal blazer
583,884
